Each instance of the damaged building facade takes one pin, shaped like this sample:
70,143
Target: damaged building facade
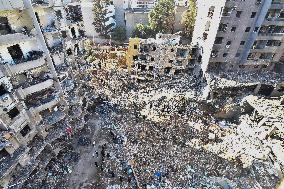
39,46
236,40
160,56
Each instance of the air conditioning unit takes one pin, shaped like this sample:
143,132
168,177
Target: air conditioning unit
227,46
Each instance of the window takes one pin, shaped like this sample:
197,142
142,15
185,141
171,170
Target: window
205,35
242,43
214,54
233,29
2,90
25,130
218,40
13,112
223,27
152,59
238,14
256,29
135,47
253,14
247,29
211,12
16,53
225,54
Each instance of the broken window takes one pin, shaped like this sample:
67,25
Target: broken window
177,72
253,14
25,130
154,48
247,29
16,53
218,40
222,27
58,14
266,56
143,67
214,54
238,14
64,34
227,11
273,43
211,12
2,90
13,112
4,26
205,35
69,52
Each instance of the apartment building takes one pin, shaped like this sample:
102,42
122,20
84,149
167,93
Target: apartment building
239,34
39,46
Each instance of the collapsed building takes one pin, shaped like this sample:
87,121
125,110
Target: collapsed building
41,93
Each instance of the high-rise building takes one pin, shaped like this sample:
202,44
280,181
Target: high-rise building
39,46
239,34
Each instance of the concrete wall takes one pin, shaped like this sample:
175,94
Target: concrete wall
207,25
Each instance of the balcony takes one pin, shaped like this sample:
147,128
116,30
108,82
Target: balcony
27,64
13,38
11,5
42,100
39,86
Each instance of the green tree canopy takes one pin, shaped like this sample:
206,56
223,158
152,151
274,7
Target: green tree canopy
119,34
162,17
188,18
100,17
143,31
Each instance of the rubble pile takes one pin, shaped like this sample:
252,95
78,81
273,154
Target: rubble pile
172,139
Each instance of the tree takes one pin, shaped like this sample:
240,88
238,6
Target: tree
162,17
143,31
119,34
188,18
100,18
